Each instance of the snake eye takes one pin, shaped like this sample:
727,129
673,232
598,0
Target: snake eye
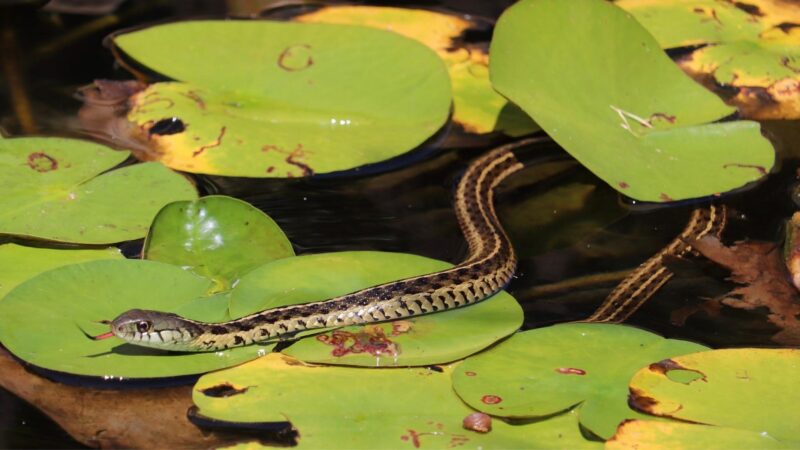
143,326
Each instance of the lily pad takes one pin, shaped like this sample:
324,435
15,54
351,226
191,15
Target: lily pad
20,263
64,190
650,434
476,105
746,388
43,320
541,372
218,237
645,132
423,340
275,99
426,414
751,49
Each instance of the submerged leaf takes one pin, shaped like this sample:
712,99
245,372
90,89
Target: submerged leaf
644,132
541,372
64,190
353,408
218,237
747,388
273,99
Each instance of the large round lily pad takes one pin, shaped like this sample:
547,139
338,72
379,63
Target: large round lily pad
63,190
646,132
747,388
540,372
43,320
430,339
275,99
354,408
20,262
219,237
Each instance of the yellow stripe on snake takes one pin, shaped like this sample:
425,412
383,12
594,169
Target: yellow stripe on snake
488,268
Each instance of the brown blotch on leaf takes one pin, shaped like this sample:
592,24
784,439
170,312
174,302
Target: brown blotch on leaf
570,371
480,422
662,116
491,399
761,169
753,10
371,339
216,143
640,402
222,390
664,197
42,162
295,58
623,185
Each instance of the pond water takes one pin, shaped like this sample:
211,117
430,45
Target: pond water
567,227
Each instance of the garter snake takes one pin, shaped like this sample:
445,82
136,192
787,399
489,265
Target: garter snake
487,269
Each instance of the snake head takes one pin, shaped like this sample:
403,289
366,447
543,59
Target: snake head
155,329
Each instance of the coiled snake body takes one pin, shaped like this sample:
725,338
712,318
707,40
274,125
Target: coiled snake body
488,267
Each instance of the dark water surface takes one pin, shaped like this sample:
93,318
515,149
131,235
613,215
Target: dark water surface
407,207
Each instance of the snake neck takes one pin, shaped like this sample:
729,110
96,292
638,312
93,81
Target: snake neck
487,269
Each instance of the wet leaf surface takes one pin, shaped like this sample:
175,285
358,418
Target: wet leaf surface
20,263
218,237
64,190
764,284
650,434
748,51
476,105
634,129
291,100
424,340
747,388
541,372
340,407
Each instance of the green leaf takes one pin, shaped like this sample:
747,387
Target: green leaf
20,263
643,131
275,99
541,372
650,434
62,190
747,388
750,50
41,321
354,408
218,237
424,340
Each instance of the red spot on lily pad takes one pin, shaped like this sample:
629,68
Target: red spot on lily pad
623,185
491,399
570,371
372,339
470,373
42,162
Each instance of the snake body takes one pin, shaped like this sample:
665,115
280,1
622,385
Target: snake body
488,267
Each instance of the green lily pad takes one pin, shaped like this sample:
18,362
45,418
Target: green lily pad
390,408
41,321
746,388
218,237
749,48
275,99
645,132
20,263
650,434
541,372
63,190
477,107
423,340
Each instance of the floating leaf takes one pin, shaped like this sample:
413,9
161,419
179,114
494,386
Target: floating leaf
218,237
423,340
749,50
541,372
20,263
650,434
43,320
62,190
747,388
273,99
476,105
389,408
646,131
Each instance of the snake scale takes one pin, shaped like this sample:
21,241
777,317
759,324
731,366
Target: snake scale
488,268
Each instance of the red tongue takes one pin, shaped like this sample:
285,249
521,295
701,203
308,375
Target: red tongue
103,336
